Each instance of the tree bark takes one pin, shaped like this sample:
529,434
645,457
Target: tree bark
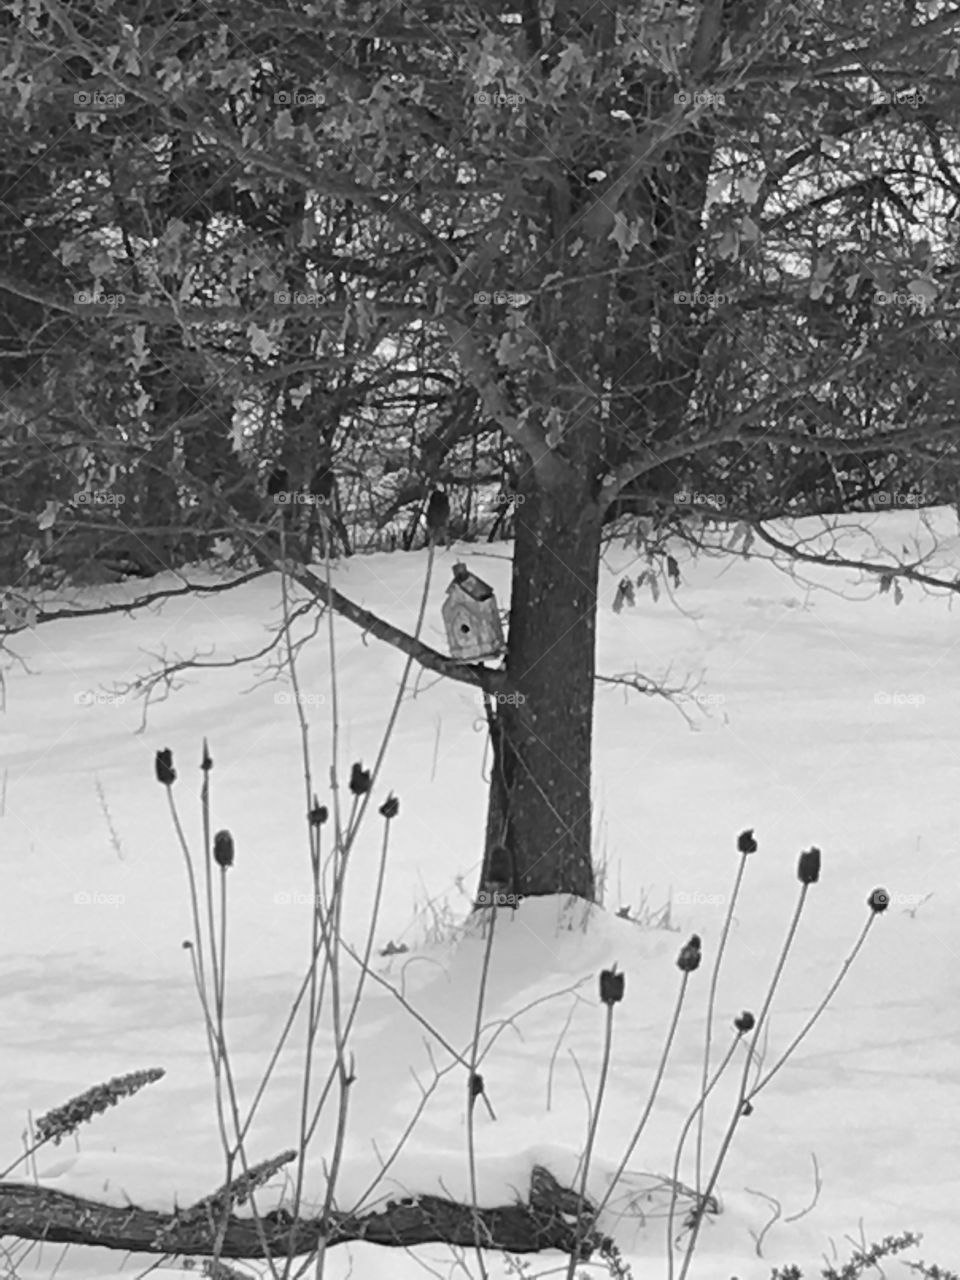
39,1213
540,806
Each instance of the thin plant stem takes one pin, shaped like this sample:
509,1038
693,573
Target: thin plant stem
592,1133
711,1008
222,992
742,1093
334,701
371,932
313,1003
275,1055
831,991
346,1080
207,861
356,817
675,1174
194,904
229,1152
474,1085
655,1087
219,994
401,1142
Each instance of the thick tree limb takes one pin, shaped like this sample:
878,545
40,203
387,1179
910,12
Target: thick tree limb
269,554
38,1213
550,468
704,43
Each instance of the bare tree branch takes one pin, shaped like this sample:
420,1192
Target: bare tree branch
58,614
268,552
39,1213
549,466
909,573
154,313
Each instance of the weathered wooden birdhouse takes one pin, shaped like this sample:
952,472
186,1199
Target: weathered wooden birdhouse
471,617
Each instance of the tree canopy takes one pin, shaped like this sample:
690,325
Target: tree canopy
388,248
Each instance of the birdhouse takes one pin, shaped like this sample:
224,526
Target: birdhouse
471,617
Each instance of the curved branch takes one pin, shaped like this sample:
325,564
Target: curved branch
888,571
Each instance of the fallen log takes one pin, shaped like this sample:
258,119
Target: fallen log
552,1217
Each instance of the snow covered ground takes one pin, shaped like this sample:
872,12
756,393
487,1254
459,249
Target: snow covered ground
831,721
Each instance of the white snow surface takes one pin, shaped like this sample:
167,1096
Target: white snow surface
831,720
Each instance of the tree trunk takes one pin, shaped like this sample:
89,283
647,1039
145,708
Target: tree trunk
540,810
539,805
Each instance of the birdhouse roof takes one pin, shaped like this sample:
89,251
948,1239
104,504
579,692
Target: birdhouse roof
469,583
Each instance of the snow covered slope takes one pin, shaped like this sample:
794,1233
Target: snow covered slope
830,721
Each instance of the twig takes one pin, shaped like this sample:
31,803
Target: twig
115,842
817,1188
553,1056
758,1237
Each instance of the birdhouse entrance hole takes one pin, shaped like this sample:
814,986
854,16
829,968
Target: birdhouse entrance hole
472,618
